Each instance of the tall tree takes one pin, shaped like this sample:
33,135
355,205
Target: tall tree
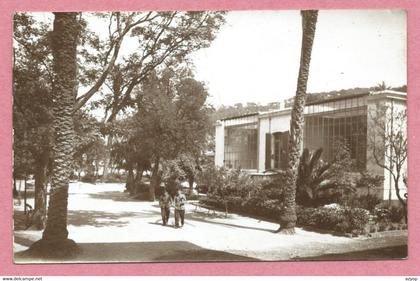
172,118
163,39
64,41
288,214
32,101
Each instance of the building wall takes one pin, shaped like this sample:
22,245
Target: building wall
279,121
389,185
376,117
220,144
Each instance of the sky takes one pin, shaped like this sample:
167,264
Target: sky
255,57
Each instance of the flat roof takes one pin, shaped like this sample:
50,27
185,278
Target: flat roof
240,116
336,97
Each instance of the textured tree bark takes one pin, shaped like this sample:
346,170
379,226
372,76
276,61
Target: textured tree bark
137,180
155,180
107,160
15,191
129,185
54,242
402,201
288,214
40,208
191,185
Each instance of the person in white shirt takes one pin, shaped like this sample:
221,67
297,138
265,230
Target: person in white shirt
179,203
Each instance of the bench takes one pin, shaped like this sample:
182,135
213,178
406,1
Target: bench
199,206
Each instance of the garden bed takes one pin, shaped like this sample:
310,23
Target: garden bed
335,220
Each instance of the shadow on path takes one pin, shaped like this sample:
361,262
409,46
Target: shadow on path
99,218
168,251
201,217
396,252
118,196
205,218
194,216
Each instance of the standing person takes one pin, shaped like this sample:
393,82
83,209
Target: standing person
179,202
165,202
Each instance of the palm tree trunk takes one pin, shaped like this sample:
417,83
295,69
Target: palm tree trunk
65,35
40,216
288,215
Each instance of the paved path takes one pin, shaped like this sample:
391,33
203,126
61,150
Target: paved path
112,227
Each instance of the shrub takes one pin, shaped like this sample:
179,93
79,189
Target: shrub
396,213
369,181
203,189
354,220
210,177
222,182
389,214
142,196
253,206
89,178
114,178
381,214
322,218
271,188
382,226
364,201
339,219
344,220
142,192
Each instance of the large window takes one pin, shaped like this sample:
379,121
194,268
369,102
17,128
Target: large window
344,120
241,146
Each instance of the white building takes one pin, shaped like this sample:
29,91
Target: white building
259,142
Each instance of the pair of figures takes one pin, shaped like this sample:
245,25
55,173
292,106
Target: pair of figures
166,202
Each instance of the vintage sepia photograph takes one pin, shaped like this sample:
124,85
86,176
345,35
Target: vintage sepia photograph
196,136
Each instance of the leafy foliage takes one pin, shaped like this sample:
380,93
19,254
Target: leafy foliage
224,182
343,220
312,171
169,125
32,100
163,39
172,174
319,182
391,213
89,146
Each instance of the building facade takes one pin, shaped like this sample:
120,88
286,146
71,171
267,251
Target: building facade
258,142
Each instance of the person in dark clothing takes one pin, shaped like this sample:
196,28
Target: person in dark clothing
179,203
165,203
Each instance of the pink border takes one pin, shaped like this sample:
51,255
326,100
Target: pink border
403,267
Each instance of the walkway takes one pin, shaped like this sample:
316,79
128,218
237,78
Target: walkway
112,227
